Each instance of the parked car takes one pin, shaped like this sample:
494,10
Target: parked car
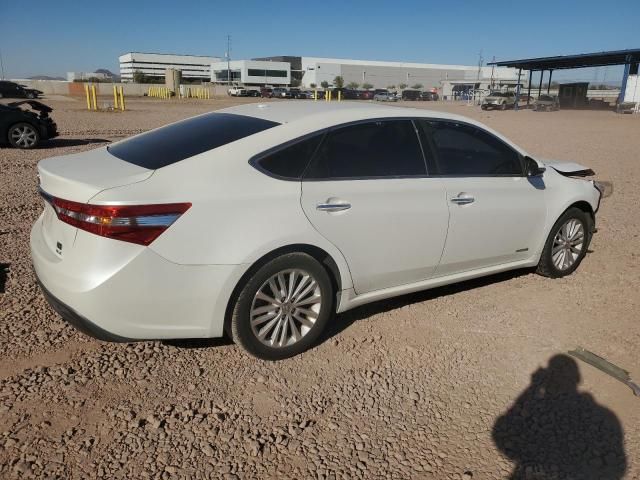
547,103
26,128
297,93
253,93
237,92
280,92
14,90
428,96
501,100
266,92
411,95
366,94
265,222
385,97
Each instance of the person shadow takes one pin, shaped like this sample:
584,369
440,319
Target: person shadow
553,431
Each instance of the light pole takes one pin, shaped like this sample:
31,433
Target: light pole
1,66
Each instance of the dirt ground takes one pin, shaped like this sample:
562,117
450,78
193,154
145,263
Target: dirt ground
468,381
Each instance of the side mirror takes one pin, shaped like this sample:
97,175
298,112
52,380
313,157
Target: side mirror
533,168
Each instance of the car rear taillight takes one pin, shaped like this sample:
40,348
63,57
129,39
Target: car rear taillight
140,224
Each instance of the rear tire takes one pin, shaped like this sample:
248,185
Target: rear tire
283,307
566,245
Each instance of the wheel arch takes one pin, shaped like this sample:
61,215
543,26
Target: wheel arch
321,255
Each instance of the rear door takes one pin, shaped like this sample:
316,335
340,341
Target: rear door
367,192
496,212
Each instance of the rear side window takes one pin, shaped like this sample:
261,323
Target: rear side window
166,145
465,150
379,149
291,161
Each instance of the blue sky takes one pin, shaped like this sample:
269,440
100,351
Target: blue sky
52,37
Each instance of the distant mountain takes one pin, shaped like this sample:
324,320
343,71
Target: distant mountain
108,73
45,77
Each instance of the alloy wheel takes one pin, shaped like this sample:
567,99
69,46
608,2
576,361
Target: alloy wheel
285,308
24,136
568,244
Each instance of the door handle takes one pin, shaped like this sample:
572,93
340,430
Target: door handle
463,199
333,206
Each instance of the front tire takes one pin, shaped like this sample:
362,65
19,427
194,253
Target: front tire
23,135
566,245
503,106
283,307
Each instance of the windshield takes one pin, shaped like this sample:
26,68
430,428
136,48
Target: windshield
497,94
166,145
546,97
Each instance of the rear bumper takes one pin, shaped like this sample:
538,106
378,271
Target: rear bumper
76,320
121,292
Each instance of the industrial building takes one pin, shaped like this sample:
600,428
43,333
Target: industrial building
315,70
193,67
252,72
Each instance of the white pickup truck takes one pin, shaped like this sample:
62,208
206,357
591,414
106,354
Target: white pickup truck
237,92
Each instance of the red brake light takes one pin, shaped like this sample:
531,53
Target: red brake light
140,224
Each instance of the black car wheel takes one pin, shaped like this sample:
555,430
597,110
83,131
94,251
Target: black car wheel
23,135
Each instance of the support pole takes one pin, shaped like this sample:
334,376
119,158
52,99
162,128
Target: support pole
86,92
625,77
94,97
515,107
122,98
540,84
339,95
549,84
115,97
529,89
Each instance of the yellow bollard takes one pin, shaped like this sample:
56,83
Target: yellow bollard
95,97
326,96
115,97
121,98
86,92
315,95
330,95
339,95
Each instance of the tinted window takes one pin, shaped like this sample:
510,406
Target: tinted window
291,161
466,150
164,146
375,149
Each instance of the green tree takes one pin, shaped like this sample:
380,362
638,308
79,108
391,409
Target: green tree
324,84
353,85
417,86
403,86
338,82
367,86
313,85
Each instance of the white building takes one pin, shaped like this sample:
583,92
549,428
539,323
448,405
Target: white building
80,76
252,72
154,65
384,74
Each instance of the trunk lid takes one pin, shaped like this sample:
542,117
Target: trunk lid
79,177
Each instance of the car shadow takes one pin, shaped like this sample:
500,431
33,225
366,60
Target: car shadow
196,343
4,274
346,319
554,431
72,142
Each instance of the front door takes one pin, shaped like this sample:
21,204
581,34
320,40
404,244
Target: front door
496,212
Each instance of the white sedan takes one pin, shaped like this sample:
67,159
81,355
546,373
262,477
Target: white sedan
264,220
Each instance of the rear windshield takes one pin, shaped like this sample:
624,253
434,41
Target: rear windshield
170,144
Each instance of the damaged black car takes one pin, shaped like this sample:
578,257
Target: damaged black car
26,128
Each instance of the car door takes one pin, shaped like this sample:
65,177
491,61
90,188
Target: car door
496,211
367,192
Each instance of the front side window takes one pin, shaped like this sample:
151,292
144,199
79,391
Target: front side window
378,149
465,150
291,161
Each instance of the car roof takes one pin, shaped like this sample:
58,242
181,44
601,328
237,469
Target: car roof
327,113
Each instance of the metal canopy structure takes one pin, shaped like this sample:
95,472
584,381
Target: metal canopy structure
630,58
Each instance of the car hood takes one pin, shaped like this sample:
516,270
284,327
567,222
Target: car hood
568,168
493,99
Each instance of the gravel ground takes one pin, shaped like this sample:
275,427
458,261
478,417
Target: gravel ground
462,382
